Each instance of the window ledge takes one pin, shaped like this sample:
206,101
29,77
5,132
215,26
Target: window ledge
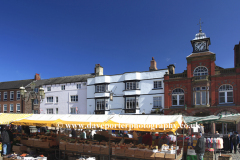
226,104
157,108
157,88
200,106
102,92
132,90
177,107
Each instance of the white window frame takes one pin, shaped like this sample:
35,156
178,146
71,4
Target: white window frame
5,108
18,110
49,88
132,85
101,88
225,91
132,102
49,109
11,95
62,87
101,104
49,99
157,84
56,100
11,108
178,92
157,102
73,109
18,95
200,71
74,98
79,86
201,90
5,97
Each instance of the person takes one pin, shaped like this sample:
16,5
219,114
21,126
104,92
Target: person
140,138
83,135
147,139
7,139
235,140
200,146
163,140
74,134
19,129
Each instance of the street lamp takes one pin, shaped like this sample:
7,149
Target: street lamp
32,94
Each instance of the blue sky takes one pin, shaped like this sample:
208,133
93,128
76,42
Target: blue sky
61,38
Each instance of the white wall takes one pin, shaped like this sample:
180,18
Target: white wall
64,102
117,86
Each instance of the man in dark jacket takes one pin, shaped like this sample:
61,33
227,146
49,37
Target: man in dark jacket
200,147
7,139
234,139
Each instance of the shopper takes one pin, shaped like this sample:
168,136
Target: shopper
235,140
147,139
163,140
140,138
200,146
7,139
74,134
83,135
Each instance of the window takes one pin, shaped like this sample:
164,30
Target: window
157,84
131,102
178,97
200,96
226,94
101,104
35,101
5,108
35,111
200,71
50,111
18,95
36,90
48,88
73,110
132,85
78,86
11,108
74,98
56,110
5,96
49,99
102,88
157,102
56,99
11,95
18,108
62,87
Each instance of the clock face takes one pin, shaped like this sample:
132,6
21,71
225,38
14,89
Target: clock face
200,46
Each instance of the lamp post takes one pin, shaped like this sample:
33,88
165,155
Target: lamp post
32,94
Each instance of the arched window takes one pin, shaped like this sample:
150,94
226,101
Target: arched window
178,97
200,71
226,94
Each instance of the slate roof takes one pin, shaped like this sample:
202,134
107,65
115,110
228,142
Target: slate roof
68,79
15,84
200,54
38,83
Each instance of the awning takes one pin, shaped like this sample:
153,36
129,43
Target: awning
232,118
7,118
193,120
149,123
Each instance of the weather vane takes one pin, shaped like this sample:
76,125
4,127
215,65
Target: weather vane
200,24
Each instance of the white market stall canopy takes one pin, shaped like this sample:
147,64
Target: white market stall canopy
232,118
149,123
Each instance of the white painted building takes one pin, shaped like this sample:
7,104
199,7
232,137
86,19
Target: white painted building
65,95
133,93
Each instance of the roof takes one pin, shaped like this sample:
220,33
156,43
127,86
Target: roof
38,83
200,54
68,79
15,84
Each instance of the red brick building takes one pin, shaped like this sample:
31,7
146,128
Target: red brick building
204,89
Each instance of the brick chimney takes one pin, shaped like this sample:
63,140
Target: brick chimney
98,70
153,65
237,55
37,77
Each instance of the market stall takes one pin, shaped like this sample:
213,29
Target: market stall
146,123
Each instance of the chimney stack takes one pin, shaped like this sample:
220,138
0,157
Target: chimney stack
37,77
98,70
171,69
153,65
237,55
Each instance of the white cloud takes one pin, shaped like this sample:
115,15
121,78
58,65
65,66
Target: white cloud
168,59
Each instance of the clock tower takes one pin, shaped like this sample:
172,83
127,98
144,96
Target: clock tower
200,43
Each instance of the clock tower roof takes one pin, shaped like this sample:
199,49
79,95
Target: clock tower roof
200,35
